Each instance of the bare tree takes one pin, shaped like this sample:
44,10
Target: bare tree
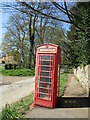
16,29
64,9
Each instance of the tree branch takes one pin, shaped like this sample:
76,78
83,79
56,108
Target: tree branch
52,17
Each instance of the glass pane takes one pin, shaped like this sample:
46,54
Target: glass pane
45,85
44,74
45,79
45,57
45,68
46,63
44,90
43,96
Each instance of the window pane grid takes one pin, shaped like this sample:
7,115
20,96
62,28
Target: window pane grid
45,77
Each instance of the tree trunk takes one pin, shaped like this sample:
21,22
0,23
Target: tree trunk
30,34
31,38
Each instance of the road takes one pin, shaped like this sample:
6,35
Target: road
13,92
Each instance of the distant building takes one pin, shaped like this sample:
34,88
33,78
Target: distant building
7,60
1,59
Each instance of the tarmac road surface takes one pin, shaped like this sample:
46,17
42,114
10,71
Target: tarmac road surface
13,92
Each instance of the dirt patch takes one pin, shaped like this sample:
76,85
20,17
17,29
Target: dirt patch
74,88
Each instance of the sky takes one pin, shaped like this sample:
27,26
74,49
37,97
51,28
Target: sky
0,24
4,18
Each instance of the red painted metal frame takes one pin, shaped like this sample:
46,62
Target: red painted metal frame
54,51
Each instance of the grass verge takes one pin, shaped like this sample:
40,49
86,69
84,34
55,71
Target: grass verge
18,72
18,109
63,83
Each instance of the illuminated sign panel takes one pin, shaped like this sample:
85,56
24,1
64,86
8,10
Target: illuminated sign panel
47,49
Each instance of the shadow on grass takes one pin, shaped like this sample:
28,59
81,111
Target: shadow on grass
73,102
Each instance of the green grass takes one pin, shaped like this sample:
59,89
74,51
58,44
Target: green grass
18,109
18,72
1,68
63,83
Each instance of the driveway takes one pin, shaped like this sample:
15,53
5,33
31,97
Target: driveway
11,92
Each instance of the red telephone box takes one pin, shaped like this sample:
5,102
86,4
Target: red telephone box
47,75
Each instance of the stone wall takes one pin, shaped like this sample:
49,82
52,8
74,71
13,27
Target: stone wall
83,75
